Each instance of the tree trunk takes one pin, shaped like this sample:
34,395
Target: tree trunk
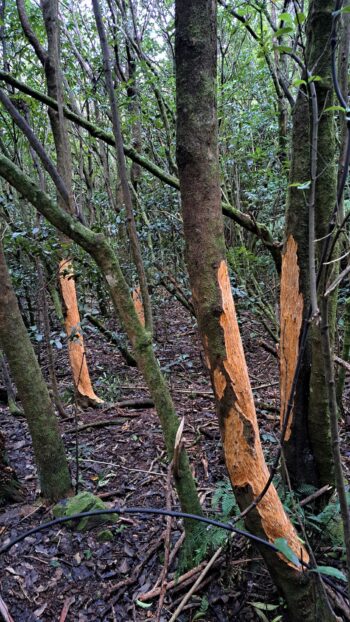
10,488
50,60
11,397
98,247
308,448
76,347
48,447
198,164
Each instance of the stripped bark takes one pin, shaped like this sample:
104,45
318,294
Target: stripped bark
291,321
76,348
198,164
308,450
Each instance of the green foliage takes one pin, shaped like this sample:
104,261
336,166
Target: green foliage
330,572
284,548
204,606
328,524
204,540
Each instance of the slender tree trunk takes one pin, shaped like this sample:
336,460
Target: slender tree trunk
131,224
48,345
48,447
50,60
98,247
198,164
308,448
343,65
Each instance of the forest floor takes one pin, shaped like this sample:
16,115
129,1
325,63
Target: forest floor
63,575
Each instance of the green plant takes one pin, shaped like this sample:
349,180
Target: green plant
204,606
205,540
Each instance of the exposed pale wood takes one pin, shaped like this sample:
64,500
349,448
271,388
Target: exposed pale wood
243,452
291,319
136,296
76,347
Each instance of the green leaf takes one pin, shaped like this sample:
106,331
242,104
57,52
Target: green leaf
331,572
331,108
286,30
143,605
261,615
228,503
305,186
284,548
55,563
263,606
285,17
284,49
300,185
299,82
299,19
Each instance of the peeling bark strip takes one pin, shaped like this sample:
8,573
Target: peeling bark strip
291,311
240,434
137,299
75,340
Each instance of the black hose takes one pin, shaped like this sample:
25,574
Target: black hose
139,510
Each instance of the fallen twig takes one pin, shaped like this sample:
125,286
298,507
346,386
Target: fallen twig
135,574
198,581
268,347
143,402
113,338
342,363
67,603
5,612
316,495
173,554
166,544
184,577
97,424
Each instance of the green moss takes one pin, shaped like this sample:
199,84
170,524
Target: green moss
105,536
83,502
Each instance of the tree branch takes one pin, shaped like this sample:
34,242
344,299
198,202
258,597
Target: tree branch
244,220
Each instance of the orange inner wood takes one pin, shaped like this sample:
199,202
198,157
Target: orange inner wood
242,448
291,314
75,338
137,298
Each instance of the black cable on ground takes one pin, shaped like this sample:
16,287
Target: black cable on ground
139,510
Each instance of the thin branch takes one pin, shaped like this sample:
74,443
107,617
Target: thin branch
118,143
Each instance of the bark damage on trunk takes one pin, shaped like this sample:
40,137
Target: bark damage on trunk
239,428
308,449
291,306
137,299
76,346
199,173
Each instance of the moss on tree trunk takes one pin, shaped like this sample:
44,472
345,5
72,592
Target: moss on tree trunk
198,164
98,247
308,449
48,447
